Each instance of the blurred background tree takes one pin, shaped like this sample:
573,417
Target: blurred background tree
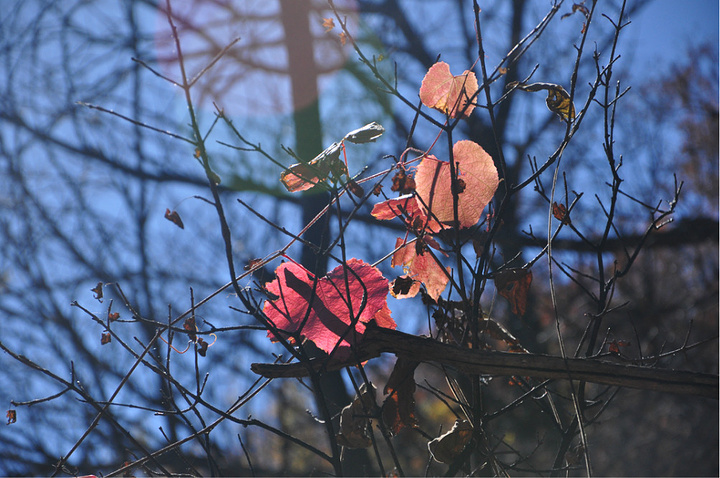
84,193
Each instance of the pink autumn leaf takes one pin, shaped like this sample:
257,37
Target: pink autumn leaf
477,183
328,309
407,207
447,93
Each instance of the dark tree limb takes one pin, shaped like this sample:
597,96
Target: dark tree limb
377,341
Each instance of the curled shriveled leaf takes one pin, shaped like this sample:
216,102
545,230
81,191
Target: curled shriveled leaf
174,217
304,176
614,345
450,94
404,287
355,421
403,183
202,347
191,328
557,101
447,447
98,291
398,410
479,178
369,132
11,416
330,307
514,284
355,188
105,338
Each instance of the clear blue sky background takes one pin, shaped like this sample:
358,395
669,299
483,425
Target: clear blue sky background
664,30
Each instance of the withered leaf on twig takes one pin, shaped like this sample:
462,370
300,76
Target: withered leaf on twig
447,447
398,410
514,284
98,291
174,217
355,421
557,101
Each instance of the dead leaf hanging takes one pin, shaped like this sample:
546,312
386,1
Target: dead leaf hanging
557,101
398,410
514,284
447,447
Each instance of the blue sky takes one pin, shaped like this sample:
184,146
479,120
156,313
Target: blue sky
665,29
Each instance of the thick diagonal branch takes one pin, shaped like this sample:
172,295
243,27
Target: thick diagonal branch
422,349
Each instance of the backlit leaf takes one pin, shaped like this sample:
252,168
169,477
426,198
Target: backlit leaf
479,178
304,176
408,208
328,309
447,447
420,267
328,24
447,93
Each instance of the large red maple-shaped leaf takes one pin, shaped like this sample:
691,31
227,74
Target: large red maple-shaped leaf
328,311
477,183
447,93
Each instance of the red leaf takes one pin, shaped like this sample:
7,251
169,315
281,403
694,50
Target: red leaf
11,416
174,217
406,207
113,316
560,213
105,338
614,346
514,284
477,171
420,267
447,93
327,311
398,410
189,325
